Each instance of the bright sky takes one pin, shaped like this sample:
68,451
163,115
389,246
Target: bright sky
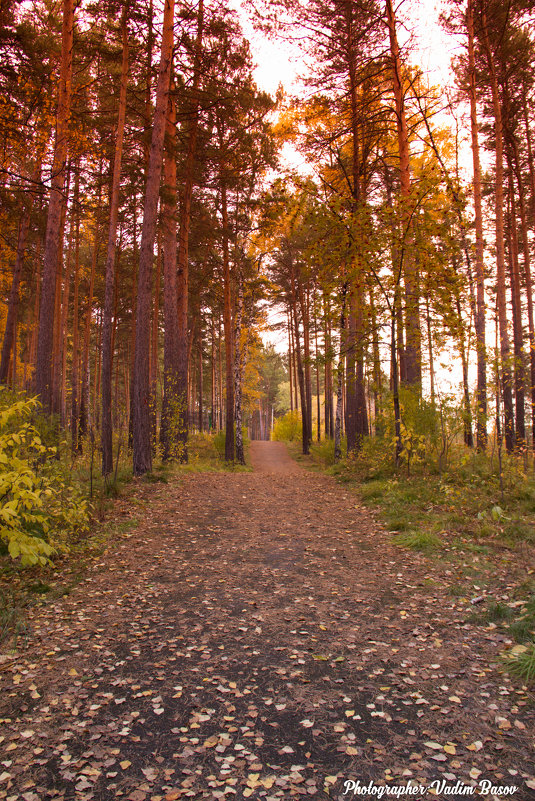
279,63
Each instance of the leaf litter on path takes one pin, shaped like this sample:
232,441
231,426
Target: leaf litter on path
256,650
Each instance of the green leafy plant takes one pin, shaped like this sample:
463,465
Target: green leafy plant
39,507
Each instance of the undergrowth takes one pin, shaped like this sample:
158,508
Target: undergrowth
461,505
57,508
459,510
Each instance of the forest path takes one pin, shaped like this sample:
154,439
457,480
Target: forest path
271,457
257,635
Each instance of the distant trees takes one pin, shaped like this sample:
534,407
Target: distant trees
140,237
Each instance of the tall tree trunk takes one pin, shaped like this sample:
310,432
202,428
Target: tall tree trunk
340,379
300,370
155,330
109,291
213,376
317,360
501,301
527,265
132,350
239,368
518,334
84,423
13,302
430,351
227,327
377,382
305,316
479,322
43,371
290,360
60,307
62,363
200,379
183,244
467,413
142,446
413,348
75,444
170,415
351,376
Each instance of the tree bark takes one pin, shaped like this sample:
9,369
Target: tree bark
43,369
479,322
527,264
518,334
75,445
84,423
183,244
227,328
413,347
142,445
170,416
13,302
239,369
340,378
501,302
109,290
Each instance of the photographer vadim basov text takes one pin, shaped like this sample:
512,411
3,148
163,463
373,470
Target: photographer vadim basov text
439,788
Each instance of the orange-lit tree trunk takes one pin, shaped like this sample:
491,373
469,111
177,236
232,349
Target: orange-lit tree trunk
109,291
413,347
13,302
527,262
43,370
168,432
227,328
142,445
83,425
481,391
183,245
501,302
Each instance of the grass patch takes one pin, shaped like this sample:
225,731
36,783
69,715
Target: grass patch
460,504
521,663
418,541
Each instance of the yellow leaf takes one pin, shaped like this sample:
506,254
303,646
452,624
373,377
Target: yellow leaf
450,749
125,764
477,745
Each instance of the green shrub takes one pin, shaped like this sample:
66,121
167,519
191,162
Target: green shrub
288,428
39,507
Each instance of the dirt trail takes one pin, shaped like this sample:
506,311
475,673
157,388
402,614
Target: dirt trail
271,457
258,636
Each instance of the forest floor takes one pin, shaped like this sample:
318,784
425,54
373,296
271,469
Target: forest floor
258,635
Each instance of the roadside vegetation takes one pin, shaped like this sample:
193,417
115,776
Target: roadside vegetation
57,511
449,502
